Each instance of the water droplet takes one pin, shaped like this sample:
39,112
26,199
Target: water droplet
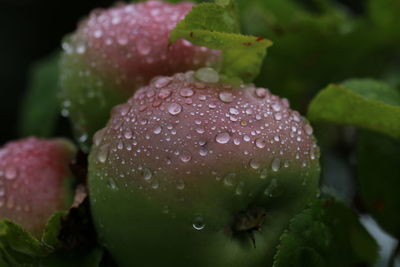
229,179
97,33
286,164
174,109
115,20
239,188
236,141
10,172
276,164
223,138
155,184
263,173
255,164
143,47
261,92
162,82
186,92
147,174
164,93
111,184
128,134
260,142
80,48
308,129
276,107
233,111
185,156
203,151
278,116
180,185
200,130
271,190
157,130
207,75
226,97
102,153
198,223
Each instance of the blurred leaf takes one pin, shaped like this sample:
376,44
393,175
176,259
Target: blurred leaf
327,234
362,103
384,15
216,25
40,107
378,178
314,44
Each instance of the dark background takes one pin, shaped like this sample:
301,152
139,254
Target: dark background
31,29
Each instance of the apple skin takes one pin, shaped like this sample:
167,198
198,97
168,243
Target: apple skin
163,166
117,50
33,176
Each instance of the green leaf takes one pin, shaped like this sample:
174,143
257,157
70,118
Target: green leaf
53,227
378,173
15,238
216,26
327,234
40,107
362,103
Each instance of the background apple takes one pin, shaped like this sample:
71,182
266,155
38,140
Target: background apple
34,174
115,51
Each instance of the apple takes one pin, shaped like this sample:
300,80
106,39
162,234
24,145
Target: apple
33,181
117,50
193,171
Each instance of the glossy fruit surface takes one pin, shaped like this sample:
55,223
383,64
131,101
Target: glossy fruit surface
33,173
117,50
189,170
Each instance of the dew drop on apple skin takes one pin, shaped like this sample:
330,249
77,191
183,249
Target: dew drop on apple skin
147,174
198,223
10,172
239,188
102,153
272,189
229,179
111,184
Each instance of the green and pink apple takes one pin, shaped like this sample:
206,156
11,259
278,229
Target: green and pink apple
117,50
191,171
33,177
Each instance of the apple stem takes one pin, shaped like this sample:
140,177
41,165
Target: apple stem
247,222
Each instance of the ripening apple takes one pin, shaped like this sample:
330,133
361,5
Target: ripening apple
191,171
34,177
115,51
